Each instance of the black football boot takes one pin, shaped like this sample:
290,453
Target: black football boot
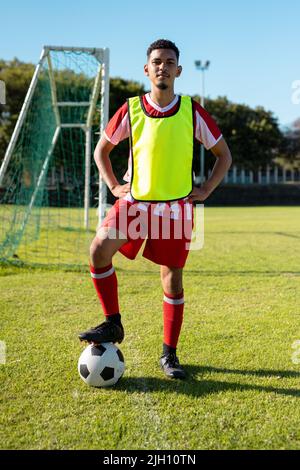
171,367
106,332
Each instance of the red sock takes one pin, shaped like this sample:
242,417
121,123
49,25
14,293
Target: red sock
173,315
106,285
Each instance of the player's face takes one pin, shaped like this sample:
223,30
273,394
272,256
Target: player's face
162,68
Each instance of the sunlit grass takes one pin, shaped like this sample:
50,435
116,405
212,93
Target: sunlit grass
241,320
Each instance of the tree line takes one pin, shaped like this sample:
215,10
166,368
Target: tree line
253,135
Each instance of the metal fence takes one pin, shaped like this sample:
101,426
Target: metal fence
268,175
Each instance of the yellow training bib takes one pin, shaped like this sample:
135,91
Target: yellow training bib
162,152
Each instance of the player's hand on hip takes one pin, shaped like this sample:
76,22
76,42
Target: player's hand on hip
200,194
120,190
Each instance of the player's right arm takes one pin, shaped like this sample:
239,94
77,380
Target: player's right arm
102,159
116,130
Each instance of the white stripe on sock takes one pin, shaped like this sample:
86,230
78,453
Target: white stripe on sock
102,275
173,301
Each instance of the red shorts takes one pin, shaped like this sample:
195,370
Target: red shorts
166,227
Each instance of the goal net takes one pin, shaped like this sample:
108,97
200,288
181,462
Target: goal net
50,193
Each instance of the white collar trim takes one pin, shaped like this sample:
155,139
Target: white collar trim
158,108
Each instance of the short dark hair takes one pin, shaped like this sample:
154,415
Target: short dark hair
163,44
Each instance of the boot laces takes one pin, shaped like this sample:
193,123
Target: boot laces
102,326
172,360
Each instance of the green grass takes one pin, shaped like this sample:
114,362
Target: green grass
51,235
241,318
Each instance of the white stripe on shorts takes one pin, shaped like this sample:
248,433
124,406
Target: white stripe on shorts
173,301
102,275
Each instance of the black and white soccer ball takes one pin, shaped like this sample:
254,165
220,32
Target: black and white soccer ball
101,365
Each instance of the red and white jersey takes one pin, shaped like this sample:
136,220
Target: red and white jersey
205,128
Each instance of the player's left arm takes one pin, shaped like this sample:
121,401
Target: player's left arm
222,165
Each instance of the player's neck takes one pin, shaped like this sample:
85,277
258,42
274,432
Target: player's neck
162,97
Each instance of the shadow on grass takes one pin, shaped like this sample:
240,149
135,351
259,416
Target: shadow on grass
257,372
247,272
215,273
195,386
84,268
284,234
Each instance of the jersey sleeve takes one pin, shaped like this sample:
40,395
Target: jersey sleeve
117,128
206,129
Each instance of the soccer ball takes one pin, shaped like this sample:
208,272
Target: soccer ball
101,365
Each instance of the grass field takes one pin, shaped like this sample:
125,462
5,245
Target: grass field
242,316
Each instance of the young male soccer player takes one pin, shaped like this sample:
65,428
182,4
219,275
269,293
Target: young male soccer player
161,126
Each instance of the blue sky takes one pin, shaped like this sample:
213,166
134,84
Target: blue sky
254,46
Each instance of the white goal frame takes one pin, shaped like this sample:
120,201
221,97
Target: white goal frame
101,82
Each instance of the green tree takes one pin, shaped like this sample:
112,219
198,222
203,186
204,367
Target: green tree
291,144
120,90
253,135
16,76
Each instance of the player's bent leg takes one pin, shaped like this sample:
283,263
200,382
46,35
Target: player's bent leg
105,244
173,305
103,247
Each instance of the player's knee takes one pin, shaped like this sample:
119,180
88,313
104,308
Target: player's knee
98,253
173,288
172,282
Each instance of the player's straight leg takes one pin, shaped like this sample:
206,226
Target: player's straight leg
171,279
106,243
173,305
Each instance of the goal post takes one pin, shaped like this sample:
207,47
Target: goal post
48,180
105,113
21,117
